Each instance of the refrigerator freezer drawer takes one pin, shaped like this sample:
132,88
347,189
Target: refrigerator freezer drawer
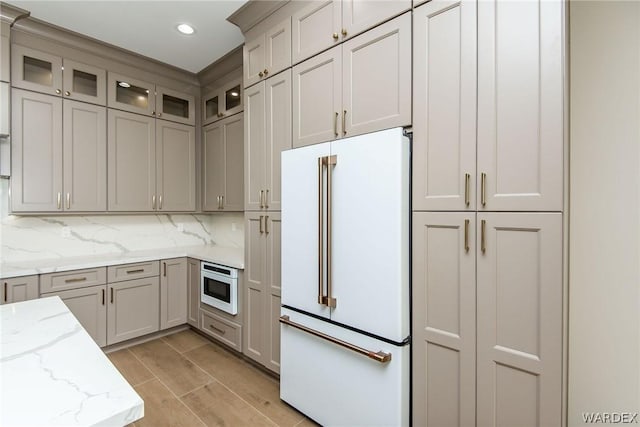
336,386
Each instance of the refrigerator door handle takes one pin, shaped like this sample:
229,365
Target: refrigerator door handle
320,234
378,356
331,161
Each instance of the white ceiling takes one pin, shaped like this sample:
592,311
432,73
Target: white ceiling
148,27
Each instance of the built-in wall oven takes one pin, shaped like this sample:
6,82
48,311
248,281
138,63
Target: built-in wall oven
219,287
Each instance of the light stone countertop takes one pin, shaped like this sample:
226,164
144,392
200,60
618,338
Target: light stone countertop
231,257
53,374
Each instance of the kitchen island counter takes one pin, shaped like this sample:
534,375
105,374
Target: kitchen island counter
52,373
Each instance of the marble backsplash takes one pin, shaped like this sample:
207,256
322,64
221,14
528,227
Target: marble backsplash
24,238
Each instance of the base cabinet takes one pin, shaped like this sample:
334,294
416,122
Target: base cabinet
193,291
173,293
133,309
88,305
261,339
19,289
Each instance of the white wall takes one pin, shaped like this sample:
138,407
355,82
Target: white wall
604,251
29,238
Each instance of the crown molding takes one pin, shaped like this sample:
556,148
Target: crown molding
253,12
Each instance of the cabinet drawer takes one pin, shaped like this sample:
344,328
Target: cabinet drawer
227,332
55,282
118,273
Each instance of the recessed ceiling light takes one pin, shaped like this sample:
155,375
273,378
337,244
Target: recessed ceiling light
185,29
124,84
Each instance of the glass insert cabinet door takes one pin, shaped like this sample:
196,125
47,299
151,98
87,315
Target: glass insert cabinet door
222,101
175,106
129,94
84,82
34,70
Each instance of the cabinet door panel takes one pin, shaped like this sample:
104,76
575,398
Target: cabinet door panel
317,99
193,291
175,106
520,104
129,94
5,109
88,305
278,47
131,161
253,60
214,166
313,28
133,309
18,289
176,167
358,15
255,297
519,319
254,147
173,293
376,78
36,152
444,108
85,157
444,321
273,333
278,138
273,232
85,83
233,196
35,70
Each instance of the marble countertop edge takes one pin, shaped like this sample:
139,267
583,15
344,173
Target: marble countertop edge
229,256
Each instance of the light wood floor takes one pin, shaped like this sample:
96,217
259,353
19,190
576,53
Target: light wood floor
186,380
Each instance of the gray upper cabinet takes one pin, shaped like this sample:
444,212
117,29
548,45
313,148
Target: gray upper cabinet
223,171
36,183
42,72
129,94
267,134
84,157
322,24
175,106
175,168
314,28
223,101
361,86
35,70
267,53
82,82
317,99
376,78
131,162
444,106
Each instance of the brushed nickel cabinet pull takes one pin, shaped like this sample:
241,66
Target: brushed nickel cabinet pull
261,199
266,199
335,125
335,36
111,295
260,74
103,297
467,180
68,200
139,270
221,202
160,202
164,269
59,203
483,247
344,32
265,72
466,235
331,161
261,229
5,292
67,93
483,185
75,280
320,240
218,330
266,224
153,202
378,356
344,122
58,91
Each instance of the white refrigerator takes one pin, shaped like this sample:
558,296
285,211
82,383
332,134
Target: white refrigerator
345,320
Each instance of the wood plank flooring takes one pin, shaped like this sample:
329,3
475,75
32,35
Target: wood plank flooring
187,380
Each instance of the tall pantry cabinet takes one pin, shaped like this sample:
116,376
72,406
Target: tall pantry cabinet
487,221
